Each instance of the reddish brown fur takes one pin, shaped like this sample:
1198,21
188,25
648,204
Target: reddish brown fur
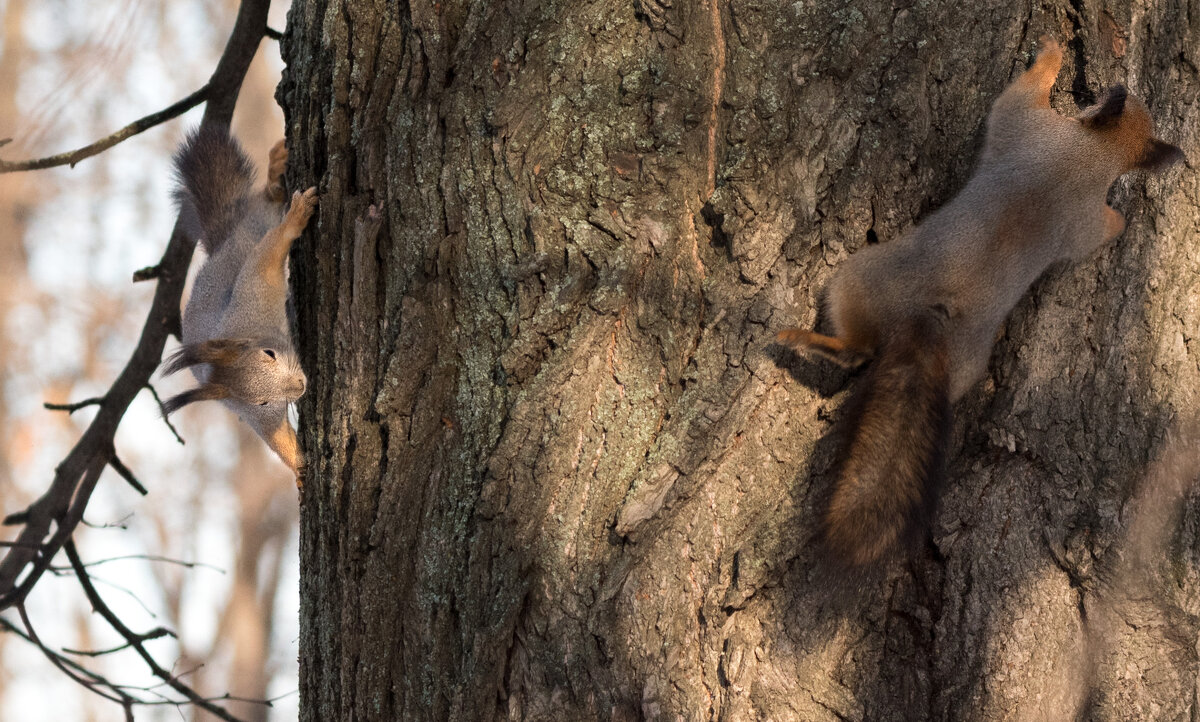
891,459
927,305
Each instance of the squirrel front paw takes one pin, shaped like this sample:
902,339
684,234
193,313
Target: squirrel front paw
303,205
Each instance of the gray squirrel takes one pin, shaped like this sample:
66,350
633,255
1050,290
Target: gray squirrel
236,338
926,307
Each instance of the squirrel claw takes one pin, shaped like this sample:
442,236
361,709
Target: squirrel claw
303,205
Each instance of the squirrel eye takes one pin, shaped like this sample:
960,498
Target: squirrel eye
269,352
263,403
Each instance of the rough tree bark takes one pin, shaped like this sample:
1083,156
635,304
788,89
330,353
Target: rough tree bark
557,470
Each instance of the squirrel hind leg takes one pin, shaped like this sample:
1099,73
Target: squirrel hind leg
830,347
276,167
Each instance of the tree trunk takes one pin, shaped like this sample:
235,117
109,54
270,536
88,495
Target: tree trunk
557,469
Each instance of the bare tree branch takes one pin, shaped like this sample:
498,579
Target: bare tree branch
75,478
149,558
83,676
62,506
72,408
155,633
119,467
158,400
135,640
149,273
72,157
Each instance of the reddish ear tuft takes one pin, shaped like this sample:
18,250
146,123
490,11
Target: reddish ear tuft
1160,154
1106,112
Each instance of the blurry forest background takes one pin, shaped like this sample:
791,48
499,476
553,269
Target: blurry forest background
70,240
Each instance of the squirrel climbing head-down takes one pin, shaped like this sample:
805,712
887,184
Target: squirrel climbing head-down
236,331
924,309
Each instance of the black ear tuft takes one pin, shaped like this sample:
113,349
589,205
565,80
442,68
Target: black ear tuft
183,357
1106,112
1160,154
176,403
207,392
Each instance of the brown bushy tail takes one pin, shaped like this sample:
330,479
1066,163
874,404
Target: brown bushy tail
891,465
216,180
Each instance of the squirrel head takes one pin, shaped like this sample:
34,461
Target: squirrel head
247,370
1124,121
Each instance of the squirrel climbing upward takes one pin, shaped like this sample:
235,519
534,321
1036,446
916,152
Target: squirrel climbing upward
235,327
926,307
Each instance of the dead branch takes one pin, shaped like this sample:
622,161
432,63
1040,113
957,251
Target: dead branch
124,472
70,158
163,412
72,408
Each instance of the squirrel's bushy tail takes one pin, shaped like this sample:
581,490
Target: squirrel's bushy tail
891,465
215,183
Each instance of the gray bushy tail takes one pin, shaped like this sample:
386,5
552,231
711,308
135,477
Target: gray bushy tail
216,180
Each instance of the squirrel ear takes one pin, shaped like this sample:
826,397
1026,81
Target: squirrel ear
1106,112
207,392
1160,154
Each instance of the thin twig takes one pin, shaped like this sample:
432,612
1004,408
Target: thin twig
72,408
273,34
158,400
142,124
83,676
121,524
148,558
155,633
134,639
119,467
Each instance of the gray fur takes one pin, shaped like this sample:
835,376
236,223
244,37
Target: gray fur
216,181
236,338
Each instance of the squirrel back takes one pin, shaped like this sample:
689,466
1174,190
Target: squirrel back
236,336
927,306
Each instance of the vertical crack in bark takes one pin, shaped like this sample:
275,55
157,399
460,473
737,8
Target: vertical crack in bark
718,85
1079,89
